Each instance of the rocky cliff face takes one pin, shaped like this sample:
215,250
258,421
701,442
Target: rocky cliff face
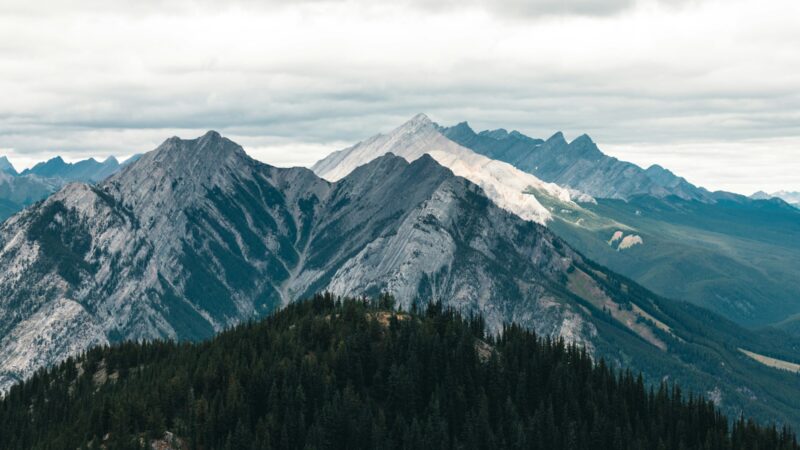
507,186
718,250
196,236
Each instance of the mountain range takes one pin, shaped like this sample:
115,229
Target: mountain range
792,198
350,374
7,167
18,190
737,256
196,236
504,184
577,165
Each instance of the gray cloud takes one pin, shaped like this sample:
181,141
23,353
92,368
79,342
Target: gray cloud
292,83
506,8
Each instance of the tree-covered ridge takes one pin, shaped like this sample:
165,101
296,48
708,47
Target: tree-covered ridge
349,374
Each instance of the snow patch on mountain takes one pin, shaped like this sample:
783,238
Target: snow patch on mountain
629,241
625,242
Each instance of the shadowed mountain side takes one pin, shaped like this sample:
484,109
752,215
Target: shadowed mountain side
196,237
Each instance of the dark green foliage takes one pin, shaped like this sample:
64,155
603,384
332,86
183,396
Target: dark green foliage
184,318
63,245
203,287
348,374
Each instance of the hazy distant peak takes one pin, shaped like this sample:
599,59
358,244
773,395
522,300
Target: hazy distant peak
499,134
463,127
792,198
6,166
420,120
583,139
657,168
557,138
211,135
579,164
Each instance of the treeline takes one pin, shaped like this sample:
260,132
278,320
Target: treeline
347,374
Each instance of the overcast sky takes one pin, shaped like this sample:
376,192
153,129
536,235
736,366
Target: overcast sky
709,89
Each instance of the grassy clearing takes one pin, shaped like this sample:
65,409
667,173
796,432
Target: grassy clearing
773,362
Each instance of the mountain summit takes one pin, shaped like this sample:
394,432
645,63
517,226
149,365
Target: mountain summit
510,188
578,165
196,236
6,166
792,198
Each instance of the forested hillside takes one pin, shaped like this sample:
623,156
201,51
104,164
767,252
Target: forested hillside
348,374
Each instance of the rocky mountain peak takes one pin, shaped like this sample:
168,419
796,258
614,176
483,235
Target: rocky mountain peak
461,129
197,157
415,124
760,195
499,134
509,187
6,166
583,139
583,147
178,171
556,139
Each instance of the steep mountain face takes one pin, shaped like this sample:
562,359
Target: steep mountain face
20,190
719,250
577,165
508,187
196,236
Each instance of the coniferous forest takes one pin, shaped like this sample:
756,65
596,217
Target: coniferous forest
329,373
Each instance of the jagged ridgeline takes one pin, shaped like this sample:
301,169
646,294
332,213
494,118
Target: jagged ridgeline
18,190
349,374
196,237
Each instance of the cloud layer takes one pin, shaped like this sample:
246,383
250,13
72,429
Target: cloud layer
706,88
